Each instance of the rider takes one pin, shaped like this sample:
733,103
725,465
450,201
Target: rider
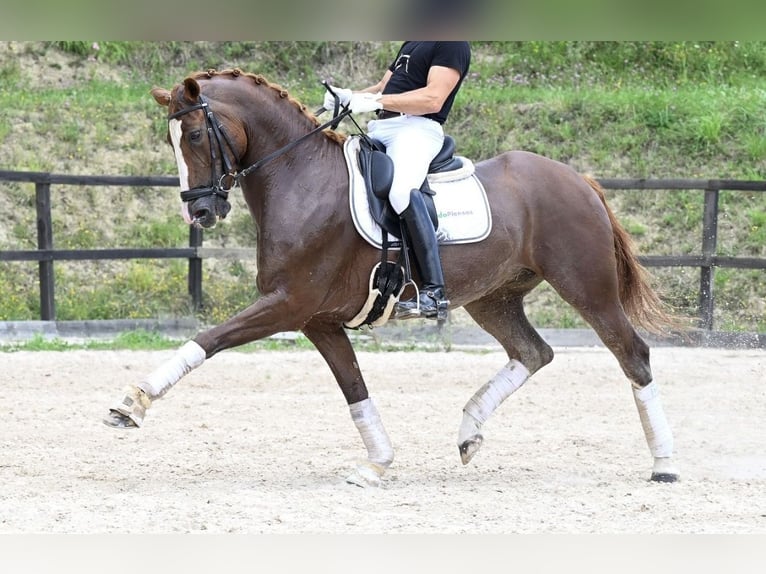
412,101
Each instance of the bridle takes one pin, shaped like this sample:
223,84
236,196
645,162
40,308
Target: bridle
229,178
217,136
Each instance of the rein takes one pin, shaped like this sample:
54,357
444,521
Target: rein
284,149
217,134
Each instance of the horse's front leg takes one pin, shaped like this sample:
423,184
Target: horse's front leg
268,315
333,343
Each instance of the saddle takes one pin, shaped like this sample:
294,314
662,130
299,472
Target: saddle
456,203
378,172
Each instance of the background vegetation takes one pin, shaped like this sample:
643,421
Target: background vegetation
626,109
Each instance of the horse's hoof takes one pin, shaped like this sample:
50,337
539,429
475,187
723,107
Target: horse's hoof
118,421
366,474
130,411
664,477
470,447
664,470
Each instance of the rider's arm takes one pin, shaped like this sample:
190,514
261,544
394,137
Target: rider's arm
427,100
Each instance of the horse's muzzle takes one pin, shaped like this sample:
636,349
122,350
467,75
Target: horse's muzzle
206,211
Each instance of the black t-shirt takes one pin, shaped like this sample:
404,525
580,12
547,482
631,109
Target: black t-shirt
410,68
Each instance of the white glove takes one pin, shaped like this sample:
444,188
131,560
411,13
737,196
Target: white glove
329,101
364,102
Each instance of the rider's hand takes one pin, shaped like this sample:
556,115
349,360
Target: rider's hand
364,102
343,94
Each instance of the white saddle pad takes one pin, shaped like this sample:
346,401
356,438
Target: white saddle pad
460,200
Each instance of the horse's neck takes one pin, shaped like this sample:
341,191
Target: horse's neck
306,183
274,123
307,179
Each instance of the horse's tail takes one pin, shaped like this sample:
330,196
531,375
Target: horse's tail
640,301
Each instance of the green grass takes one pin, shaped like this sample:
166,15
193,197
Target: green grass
132,289
756,230
19,299
163,232
131,340
657,132
142,340
626,109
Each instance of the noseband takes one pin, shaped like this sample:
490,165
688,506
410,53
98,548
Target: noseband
229,178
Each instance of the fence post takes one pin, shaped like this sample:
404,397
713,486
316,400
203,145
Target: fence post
709,247
195,269
45,241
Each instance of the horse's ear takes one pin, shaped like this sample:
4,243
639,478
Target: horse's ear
161,96
192,90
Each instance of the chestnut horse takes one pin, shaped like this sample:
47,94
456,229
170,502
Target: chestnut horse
550,223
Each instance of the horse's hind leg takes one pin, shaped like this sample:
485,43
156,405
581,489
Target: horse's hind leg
632,352
502,316
594,295
333,344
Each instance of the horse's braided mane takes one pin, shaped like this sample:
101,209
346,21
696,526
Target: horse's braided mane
262,81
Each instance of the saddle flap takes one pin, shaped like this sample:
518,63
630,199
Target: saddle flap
460,202
376,166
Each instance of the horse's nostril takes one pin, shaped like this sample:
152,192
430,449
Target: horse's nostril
204,217
200,213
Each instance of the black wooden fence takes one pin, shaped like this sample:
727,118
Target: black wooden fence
45,254
708,260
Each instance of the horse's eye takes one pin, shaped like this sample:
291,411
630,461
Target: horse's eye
195,135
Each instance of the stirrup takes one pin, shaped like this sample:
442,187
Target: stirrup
441,307
407,312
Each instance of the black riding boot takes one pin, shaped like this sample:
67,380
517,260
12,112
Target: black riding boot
432,302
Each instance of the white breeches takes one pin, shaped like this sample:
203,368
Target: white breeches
411,143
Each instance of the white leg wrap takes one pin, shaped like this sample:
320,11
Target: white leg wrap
188,357
367,420
656,428
486,400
